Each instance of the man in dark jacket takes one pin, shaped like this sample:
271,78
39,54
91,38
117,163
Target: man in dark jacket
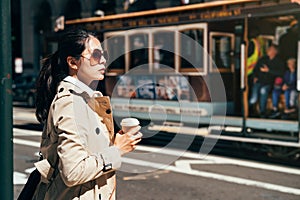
266,69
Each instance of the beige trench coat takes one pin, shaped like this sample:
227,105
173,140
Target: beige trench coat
80,140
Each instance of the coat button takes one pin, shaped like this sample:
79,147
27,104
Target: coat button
99,196
61,89
108,111
60,118
97,131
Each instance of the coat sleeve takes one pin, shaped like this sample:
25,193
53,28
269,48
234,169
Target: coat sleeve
76,164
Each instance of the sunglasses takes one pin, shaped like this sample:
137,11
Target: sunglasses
96,56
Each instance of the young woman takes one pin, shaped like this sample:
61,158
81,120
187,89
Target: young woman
80,150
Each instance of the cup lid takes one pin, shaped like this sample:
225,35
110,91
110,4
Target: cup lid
130,122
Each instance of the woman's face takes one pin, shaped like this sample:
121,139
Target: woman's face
92,65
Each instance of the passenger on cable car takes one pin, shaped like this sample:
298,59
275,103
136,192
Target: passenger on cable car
288,86
265,71
255,51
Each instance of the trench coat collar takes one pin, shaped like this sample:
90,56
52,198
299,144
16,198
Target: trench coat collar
80,85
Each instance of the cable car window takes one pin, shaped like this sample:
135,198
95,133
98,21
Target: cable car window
191,50
138,49
163,53
116,48
221,50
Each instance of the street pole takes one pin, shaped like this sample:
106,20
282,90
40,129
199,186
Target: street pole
6,143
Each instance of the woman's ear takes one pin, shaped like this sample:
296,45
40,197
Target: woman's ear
72,62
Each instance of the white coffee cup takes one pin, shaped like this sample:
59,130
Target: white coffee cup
128,123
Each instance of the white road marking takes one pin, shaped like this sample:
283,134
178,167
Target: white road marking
175,152
210,159
19,178
182,166
145,176
23,132
186,164
230,179
29,170
26,142
24,116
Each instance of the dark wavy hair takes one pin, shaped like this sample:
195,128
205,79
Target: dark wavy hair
55,68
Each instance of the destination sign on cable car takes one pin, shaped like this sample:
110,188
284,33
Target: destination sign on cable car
163,19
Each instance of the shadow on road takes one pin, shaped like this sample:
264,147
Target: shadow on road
29,126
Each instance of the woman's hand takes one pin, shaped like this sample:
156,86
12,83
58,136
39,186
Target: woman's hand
285,87
126,142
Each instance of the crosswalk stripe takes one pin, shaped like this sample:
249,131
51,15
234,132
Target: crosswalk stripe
24,132
26,142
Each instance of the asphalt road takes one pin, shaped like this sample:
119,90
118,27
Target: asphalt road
167,174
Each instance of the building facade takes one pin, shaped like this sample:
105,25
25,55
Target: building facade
34,19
